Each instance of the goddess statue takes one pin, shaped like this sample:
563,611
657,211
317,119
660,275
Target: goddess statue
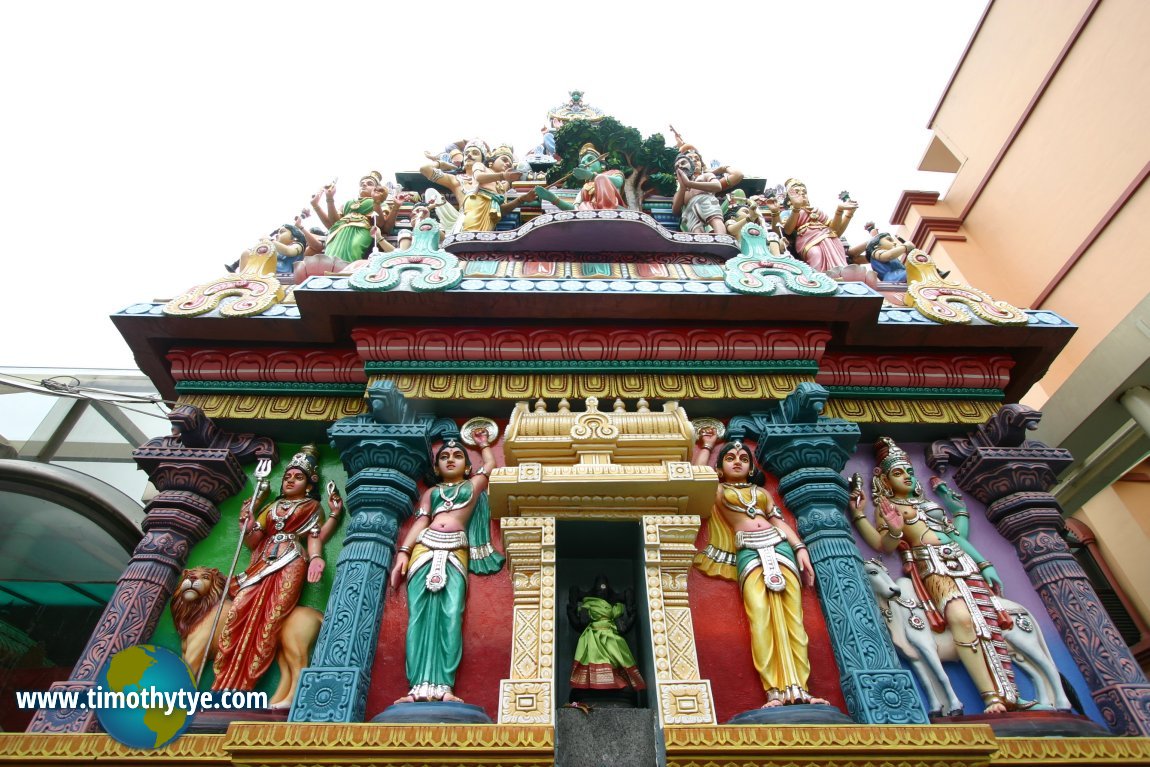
816,237
349,235
286,540
449,537
603,660
748,539
956,585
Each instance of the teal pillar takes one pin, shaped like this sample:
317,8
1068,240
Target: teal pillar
808,453
384,454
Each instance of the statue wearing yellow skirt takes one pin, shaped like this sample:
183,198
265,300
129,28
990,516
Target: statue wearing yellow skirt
748,539
482,185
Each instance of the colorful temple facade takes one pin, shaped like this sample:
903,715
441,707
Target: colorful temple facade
567,469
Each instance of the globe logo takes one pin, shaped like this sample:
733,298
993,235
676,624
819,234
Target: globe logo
142,673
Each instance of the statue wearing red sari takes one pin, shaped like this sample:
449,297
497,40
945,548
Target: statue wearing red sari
286,539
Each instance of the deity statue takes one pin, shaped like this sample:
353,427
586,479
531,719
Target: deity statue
349,235
958,588
885,253
276,254
748,539
816,237
481,191
449,537
603,660
286,540
601,190
695,198
742,210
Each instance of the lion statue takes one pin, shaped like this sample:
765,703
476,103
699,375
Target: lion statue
194,606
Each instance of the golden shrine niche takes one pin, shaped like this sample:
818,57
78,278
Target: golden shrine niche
618,465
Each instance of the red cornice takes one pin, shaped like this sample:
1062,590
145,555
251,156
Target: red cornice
588,343
911,197
958,371
939,226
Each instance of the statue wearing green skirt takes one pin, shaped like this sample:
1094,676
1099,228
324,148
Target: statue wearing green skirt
603,660
449,537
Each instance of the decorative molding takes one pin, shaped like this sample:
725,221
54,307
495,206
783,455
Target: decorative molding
384,343
908,199
270,388
890,392
759,272
606,367
250,295
266,365
950,302
960,371
281,408
433,269
575,385
560,230
849,746
912,411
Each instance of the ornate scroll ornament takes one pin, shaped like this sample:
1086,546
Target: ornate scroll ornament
253,295
759,272
435,269
952,302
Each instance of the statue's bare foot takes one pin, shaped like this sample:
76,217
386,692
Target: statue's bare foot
995,708
452,698
820,701
772,704
406,699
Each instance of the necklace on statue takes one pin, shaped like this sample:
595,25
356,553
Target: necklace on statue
748,504
449,500
287,507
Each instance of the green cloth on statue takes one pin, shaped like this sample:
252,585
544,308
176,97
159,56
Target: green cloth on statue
602,658
350,237
484,559
435,627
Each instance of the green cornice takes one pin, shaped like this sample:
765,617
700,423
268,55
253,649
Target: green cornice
701,367
899,392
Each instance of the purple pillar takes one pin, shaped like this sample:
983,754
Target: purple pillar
193,472
1012,476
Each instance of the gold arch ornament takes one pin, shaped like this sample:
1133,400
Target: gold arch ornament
949,302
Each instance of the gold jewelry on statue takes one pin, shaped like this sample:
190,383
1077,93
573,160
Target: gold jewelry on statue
983,565
405,549
895,534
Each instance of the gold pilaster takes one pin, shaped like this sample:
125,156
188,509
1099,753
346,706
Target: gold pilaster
668,548
528,697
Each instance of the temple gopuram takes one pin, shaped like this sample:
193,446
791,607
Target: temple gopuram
602,453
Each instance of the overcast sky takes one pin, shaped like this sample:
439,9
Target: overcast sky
146,144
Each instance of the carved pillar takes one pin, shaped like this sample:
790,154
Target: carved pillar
383,454
528,697
1012,476
668,550
193,473
807,453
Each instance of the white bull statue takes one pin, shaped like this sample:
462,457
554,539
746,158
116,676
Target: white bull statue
925,650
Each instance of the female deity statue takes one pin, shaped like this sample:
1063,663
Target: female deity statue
349,235
481,191
957,587
749,539
603,660
696,197
449,537
286,539
815,236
